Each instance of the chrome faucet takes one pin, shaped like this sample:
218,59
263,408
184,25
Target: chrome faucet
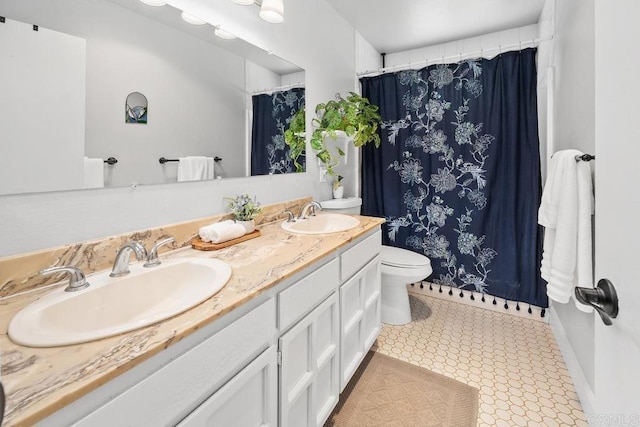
121,263
77,279
290,216
310,209
152,258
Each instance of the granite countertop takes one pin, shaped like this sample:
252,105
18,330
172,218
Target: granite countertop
40,381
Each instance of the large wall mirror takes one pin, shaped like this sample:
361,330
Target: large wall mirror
69,67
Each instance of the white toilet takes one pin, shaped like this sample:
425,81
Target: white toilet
399,268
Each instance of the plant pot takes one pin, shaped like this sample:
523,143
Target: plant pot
338,193
337,144
248,225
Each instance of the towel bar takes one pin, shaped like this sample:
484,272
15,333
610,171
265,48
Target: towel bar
164,160
585,158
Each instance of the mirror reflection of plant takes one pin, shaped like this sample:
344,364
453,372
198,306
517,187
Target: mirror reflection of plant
294,137
355,116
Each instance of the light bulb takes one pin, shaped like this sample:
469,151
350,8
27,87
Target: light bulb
243,2
272,11
193,20
154,2
223,34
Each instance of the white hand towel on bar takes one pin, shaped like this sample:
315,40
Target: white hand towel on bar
195,168
93,173
565,212
221,231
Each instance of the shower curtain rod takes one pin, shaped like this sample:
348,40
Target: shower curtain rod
459,56
277,88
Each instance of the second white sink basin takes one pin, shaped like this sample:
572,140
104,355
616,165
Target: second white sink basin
323,223
111,306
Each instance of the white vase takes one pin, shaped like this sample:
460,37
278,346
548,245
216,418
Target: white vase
338,193
248,225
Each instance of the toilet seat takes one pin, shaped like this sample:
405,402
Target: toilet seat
397,257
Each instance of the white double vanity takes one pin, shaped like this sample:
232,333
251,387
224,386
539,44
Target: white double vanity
281,358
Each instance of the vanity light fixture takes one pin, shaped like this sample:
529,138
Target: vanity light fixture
271,11
154,2
193,20
223,34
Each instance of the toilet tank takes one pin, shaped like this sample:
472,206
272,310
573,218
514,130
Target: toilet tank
349,205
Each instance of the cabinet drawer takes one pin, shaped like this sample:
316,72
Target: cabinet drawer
300,298
355,258
167,395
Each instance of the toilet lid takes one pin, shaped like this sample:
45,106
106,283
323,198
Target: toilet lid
397,257
349,202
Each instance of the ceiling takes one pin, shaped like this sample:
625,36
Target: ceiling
397,25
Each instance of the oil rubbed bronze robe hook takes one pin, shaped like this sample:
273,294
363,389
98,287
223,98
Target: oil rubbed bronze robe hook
603,298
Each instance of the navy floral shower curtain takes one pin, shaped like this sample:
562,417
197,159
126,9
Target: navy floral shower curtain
271,117
457,175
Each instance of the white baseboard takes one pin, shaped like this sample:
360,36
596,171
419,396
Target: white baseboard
585,394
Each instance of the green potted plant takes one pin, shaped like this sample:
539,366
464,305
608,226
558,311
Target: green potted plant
244,210
354,116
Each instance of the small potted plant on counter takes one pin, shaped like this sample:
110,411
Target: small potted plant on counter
339,122
244,209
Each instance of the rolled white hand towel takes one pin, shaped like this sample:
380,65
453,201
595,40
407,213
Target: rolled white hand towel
221,231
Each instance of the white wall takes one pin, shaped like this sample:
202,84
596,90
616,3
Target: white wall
35,221
489,44
572,56
53,99
293,78
367,57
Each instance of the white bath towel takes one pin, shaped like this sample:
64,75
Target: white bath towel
93,173
195,168
565,212
221,231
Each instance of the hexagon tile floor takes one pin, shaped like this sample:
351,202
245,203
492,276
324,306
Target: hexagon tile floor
514,362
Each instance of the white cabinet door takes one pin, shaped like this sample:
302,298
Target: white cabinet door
309,381
247,400
360,318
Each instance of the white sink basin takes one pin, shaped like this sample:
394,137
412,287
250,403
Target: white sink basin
112,306
323,223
